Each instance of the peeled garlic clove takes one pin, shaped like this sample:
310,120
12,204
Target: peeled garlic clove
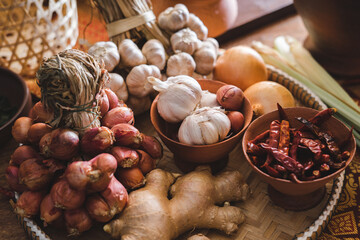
204,126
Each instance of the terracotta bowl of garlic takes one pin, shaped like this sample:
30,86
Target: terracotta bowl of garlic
188,156
302,165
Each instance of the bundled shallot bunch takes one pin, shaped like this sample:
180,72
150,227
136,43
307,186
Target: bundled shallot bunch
78,179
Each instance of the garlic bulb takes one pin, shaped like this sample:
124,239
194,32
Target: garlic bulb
136,80
211,42
107,52
174,18
139,105
180,64
130,53
178,97
117,84
205,58
154,52
196,25
204,126
184,40
208,99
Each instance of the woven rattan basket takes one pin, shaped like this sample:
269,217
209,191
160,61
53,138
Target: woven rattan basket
33,29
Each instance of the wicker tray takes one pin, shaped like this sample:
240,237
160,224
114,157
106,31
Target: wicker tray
264,220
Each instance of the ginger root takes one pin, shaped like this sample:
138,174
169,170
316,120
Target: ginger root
194,203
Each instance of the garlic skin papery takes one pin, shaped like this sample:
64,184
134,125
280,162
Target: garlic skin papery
107,52
184,40
117,84
180,64
204,126
130,54
205,58
136,80
208,99
174,18
178,97
196,25
154,52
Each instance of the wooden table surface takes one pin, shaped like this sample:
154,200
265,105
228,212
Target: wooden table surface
292,25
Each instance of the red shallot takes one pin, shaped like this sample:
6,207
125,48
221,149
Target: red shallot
98,209
118,115
37,131
126,157
96,140
22,153
113,99
28,204
20,129
127,135
116,196
146,163
66,197
131,178
38,113
230,97
236,120
77,221
34,174
152,146
12,178
48,212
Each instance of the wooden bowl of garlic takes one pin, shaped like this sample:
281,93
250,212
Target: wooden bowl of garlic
188,156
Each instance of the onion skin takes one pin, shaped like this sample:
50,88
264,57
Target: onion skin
127,135
241,66
152,146
79,173
146,163
236,120
48,212
22,153
37,131
230,97
12,178
115,196
103,103
131,178
65,197
113,99
20,129
34,174
28,204
77,221
64,144
38,113
118,115
44,145
107,165
125,157
96,140
98,209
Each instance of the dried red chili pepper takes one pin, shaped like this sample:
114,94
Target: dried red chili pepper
261,137
325,158
321,117
289,163
294,178
324,167
345,155
313,145
284,138
336,165
323,136
282,113
253,149
273,140
272,172
308,165
295,144
280,168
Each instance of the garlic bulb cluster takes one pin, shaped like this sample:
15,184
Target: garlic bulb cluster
137,82
174,18
204,126
106,52
154,52
184,40
178,97
180,64
117,84
130,53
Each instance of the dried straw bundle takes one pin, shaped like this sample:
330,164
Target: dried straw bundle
133,19
70,82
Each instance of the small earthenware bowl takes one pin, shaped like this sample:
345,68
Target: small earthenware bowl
14,90
186,156
286,193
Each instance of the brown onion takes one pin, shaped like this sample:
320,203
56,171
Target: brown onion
22,153
125,157
20,129
12,178
63,144
118,115
65,197
96,140
146,163
34,174
37,131
103,103
38,113
152,146
98,209
236,120
77,221
230,97
131,178
127,135
48,212
113,99
28,204
107,165
115,196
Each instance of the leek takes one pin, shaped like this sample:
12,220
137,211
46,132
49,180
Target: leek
284,63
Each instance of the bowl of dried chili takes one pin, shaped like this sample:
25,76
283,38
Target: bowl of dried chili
15,101
297,151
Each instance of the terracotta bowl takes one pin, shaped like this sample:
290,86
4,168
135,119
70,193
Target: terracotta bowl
288,194
14,88
189,156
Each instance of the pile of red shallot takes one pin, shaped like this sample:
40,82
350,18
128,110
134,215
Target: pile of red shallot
72,180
